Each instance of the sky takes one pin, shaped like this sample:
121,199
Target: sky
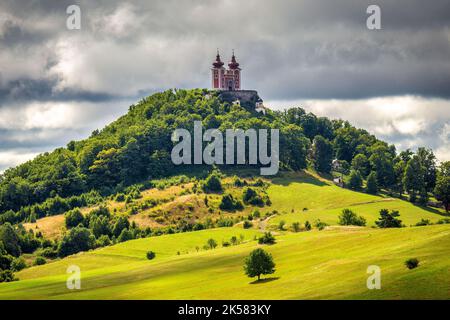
58,85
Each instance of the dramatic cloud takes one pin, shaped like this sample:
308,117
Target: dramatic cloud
51,78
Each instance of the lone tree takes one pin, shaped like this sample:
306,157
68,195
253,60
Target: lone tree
442,189
259,262
389,220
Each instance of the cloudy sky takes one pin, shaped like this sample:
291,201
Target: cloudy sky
58,85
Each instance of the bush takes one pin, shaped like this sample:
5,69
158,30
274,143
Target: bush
296,226
103,241
39,261
120,197
349,218
18,264
259,262
320,224
423,222
388,220
307,225
7,276
76,240
211,243
228,203
250,196
281,225
49,253
412,263
247,224
73,218
125,235
151,255
267,238
212,184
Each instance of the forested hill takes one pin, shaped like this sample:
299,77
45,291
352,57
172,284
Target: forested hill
137,146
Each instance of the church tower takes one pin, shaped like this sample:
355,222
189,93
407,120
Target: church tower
217,73
226,79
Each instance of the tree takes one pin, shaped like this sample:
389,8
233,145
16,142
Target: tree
259,262
427,161
442,188
388,220
267,238
413,180
372,185
349,218
10,240
125,235
73,218
361,163
322,153
355,180
76,240
121,224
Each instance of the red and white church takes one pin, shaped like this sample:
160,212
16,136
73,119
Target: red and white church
226,79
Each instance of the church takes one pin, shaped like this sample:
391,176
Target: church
226,79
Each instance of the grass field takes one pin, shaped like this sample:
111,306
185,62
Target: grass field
328,264
317,264
325,201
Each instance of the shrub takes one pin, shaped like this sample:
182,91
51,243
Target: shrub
39,261
120,197
125,235
247,224
228,203
73,218
412,263
250,196
49,253
7,276
296,226
388,220
212,184
76,240
281,225
259,262
267,238
18,264
151,255
307,225
211,243
103,241
320,224
348,218
423,222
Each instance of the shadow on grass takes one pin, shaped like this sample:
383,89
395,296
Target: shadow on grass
265,280
297,176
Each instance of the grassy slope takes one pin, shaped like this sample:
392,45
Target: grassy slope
325,201
325,264
316,264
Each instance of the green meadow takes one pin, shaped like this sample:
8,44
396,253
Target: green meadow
309,265
327,264
310,198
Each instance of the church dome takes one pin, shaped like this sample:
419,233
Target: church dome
233,63
218,63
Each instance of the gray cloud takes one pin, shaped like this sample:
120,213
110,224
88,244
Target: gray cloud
289,50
